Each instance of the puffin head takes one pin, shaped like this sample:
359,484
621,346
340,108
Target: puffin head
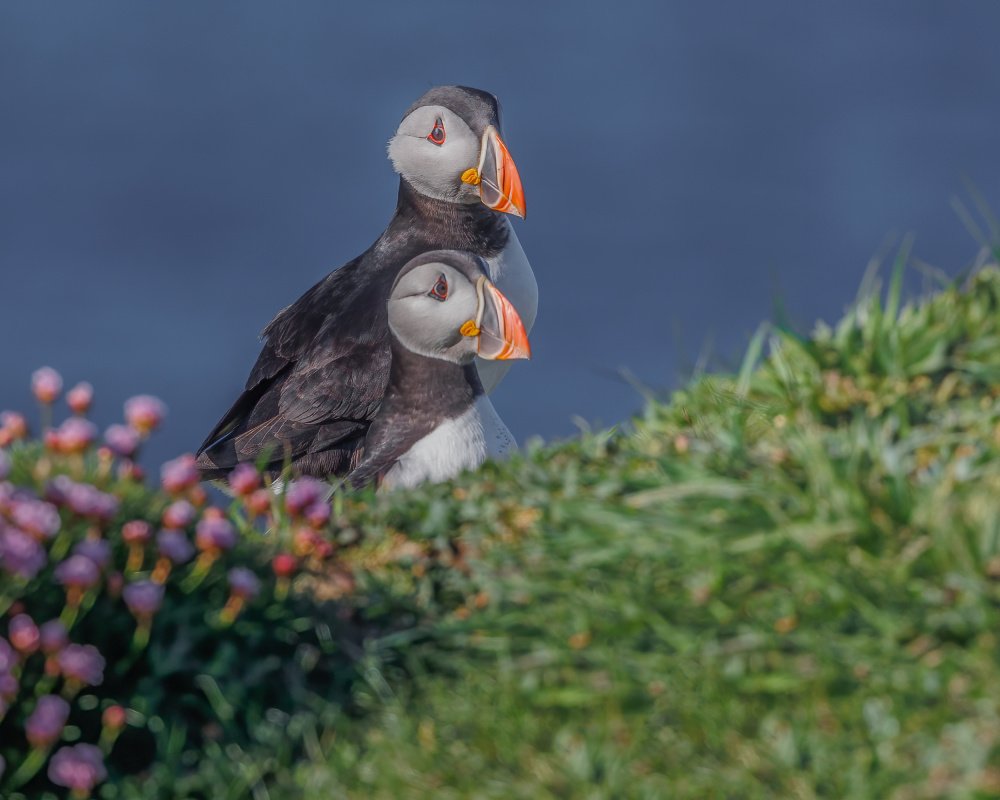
448,147
443,306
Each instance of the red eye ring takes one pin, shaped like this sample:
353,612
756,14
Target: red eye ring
440,289
437,132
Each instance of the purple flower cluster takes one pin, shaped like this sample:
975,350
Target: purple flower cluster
143,598
121,440
46,385
174,546
75,435
180,474
243,583
179,514
82,499
82,663
79,768
20,553
45,724
215,534
36,517
78,572
145,413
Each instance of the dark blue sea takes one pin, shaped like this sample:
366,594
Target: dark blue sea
173,174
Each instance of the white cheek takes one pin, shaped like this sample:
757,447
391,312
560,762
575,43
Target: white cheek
434,170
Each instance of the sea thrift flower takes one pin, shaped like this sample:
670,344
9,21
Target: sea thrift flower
24,634
78,574
8,658
79,768
243,583
145,413
179,474
260,501
174,546
243,480
121,440
137,532
5,466
88,501
15,424
36,517
243,586
213,534
52,441
143,598
179,514
318,513
80,397
97,550
303,493
82,663
46,384
45,725
76,435
20,553
53,636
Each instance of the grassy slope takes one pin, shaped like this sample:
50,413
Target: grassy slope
780,584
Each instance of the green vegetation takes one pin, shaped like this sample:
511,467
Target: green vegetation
782,583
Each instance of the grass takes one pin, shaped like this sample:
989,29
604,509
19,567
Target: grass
782,583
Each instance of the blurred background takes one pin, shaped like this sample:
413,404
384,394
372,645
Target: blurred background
173,174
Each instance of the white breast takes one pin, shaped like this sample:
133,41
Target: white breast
511,273
454,446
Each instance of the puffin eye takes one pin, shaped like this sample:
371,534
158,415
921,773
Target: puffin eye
440,290
437,132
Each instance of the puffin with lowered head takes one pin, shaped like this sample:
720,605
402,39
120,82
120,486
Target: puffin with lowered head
324,366
436,419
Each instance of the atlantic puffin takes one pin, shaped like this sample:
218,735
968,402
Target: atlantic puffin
324,365
436,419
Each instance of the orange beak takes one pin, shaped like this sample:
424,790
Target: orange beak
501,333
499,184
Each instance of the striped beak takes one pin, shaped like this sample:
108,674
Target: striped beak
499,184
501,333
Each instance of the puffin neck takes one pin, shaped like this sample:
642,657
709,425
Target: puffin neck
456,226
422,382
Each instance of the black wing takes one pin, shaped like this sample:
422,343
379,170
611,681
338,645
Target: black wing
317,382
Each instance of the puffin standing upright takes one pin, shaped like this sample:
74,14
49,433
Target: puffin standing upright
322,372
435,419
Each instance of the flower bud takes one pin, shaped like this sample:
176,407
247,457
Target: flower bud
285,565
